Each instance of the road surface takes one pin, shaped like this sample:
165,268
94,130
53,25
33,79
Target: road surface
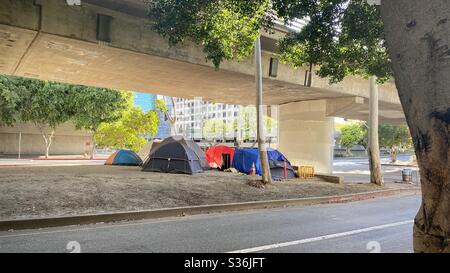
383,225
356,170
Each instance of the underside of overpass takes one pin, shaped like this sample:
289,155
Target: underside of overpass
51,40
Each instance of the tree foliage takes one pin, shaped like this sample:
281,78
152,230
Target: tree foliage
49,104
360,47
351,135
395,135
226,29
315,43
93,106
43,103
11,99
131,131
218,128
341,37
396,138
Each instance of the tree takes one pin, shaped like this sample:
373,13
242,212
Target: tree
226,29
47,106
315,43
10,100
395,138
359,48
343,38
417,35
94,106
351,135
218,128
416,32
261,133
130,131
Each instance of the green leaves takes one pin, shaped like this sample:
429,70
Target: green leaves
351,134
109,114
315,43
130,131
39,102
226,29
341,37
93,106
393,135
9,101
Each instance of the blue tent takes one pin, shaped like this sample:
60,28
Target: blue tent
244,158
124,157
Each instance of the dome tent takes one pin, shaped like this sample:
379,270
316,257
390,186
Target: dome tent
215,155
176,155
148,148
244,159
125,158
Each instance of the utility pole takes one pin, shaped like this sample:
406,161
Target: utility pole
260,134
374,146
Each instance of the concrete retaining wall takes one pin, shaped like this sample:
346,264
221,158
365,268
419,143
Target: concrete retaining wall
67,140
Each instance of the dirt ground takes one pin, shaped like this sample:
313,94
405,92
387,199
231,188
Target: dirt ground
73,190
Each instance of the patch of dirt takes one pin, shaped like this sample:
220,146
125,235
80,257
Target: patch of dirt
73,190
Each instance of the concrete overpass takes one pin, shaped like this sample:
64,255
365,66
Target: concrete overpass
109,43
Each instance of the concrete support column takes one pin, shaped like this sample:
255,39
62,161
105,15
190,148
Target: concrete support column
306,134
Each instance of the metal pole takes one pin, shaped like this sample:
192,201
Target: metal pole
261,138
20,143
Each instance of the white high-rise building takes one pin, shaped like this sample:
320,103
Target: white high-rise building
202,120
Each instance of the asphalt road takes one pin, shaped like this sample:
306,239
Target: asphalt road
383,225
356,170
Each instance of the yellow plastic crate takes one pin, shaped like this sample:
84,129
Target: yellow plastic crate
306,171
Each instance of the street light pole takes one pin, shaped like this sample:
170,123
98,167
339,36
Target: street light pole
261,138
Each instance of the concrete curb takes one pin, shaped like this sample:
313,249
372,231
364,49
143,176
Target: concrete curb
35,223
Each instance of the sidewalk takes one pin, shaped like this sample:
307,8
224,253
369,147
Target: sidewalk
9,162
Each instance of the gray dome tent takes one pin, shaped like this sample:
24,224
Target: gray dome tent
176,155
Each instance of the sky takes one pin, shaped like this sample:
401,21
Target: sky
144,100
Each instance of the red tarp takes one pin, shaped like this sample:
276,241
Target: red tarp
214,155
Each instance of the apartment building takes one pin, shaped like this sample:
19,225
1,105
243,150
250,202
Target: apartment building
203,120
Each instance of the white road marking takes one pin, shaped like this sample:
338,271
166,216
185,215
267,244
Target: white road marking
324,237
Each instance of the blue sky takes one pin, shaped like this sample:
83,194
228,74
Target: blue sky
144,100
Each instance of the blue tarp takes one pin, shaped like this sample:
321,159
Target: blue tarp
127,157
243,159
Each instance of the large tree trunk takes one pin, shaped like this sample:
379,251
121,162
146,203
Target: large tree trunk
374,146
418,36
261,136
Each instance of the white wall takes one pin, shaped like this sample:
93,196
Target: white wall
306,134
67,140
